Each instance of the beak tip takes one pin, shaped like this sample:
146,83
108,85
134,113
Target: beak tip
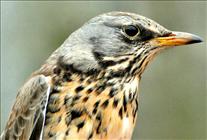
196,39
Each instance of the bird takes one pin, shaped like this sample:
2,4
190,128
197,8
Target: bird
89,87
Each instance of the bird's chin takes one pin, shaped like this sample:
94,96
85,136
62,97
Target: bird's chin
175,39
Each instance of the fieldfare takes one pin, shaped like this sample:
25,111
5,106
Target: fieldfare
88,88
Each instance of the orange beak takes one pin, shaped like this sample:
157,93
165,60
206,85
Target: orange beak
175,39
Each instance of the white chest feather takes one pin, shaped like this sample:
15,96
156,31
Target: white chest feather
131,89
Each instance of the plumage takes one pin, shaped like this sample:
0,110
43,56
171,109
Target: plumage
88,88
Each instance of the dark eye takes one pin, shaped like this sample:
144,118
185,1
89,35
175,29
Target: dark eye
131,30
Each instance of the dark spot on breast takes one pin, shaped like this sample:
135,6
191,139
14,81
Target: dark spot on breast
75,114
68,100
85,99
124,103
90,136
79,88
67,132
130,95
98,128
115,103
56,70
121,113
99,116
71,115
94,111
51,134
105,103
96,103
95,107
92,72
67,77
98,55
105,64
81,79
76,97
100,89
89,90
112,92
80,125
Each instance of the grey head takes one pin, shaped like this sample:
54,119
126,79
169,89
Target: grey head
113,36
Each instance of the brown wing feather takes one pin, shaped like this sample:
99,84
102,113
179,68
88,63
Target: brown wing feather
29,106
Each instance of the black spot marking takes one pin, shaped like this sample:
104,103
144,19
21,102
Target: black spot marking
105,64
75,114
124,103
112,92
79,88
56,70
76,97
90,136
71,115
92,72
67,77
99,116
121,113
81,79
122,60
67,132
80,125
130,95
142,61
119,73
100,89
98,128
136,109
115,103
95,107
51,134
67,100
89,90
98,55
85,99
105,103
94,111
97,103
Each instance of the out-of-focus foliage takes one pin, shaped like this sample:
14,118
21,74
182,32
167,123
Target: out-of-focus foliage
173,88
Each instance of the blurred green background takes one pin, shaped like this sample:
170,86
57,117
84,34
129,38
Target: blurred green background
173,88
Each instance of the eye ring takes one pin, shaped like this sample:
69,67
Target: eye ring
131,31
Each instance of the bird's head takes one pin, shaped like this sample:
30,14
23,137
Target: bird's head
120,42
